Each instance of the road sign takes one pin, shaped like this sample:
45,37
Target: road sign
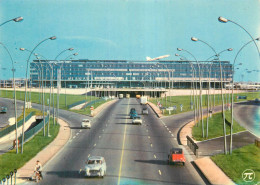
181,107
169,108
174,107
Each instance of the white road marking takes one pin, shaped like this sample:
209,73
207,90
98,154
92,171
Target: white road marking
88,155
77,134
148,137
151,145
99,136
94,144
170,131
172,135
146,130
80,130
175,138
103,130
106,125
167,128
74,137
154,156
160,172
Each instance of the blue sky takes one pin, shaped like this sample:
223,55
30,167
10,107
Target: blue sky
129,30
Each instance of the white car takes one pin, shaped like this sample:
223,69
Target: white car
95,166
137,120
85,123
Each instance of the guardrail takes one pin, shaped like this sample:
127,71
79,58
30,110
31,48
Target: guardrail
30,133
9,177
11,128
192,145
76,103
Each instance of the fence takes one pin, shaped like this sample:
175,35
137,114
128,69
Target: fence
28,134
10,178
76,103
9,129
193,146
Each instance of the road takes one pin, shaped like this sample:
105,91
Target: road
4,117
134,154
247,114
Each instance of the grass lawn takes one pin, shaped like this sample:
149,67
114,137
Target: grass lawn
86,111
185,101
216,127
247,157
10,160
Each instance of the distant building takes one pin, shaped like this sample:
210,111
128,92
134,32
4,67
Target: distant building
125,73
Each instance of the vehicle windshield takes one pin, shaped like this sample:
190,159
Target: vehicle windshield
94,162
85,120
177,152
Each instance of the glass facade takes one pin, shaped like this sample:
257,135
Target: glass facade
123,73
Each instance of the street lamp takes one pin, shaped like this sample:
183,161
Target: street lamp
14,84
200,110
225,20
17,19
68,49
26,76
232,97
223,108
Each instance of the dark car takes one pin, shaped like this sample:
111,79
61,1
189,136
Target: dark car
3,110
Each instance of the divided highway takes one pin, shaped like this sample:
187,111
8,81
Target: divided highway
134,154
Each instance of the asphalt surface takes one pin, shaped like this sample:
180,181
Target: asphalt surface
4,117
247,114
134,154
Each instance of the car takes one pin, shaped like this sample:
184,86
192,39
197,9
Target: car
95,166
3,110
133,114
176,156
85,123
145,111
257,100
137,120
132,110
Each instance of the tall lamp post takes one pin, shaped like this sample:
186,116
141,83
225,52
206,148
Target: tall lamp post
222,96
225,20
232,97
17,19
25,94
201,110
14,84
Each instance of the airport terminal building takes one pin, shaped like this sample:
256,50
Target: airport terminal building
129,74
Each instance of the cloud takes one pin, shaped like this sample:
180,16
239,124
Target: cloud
91,39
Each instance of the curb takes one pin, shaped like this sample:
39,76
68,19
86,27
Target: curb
46,154
152,105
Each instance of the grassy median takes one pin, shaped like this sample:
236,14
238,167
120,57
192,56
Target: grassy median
216,127
185,101
10,160
247,157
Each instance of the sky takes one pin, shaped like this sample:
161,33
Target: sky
130,30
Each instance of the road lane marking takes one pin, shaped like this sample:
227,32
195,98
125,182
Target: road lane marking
99,136
123,147
77,134
103,130
167,128
160,172
80,130
151,145
172,135
149,137
170,131
154,156
88,155
94,144
74,137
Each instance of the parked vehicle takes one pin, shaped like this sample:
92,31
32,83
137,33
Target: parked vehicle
127,95
138,96
145,111
137,120
85,123
121,96
3,110
143,100
95,166
176,156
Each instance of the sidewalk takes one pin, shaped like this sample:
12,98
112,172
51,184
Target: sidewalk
46,154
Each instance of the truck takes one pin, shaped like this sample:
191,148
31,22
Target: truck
138,96
143,100
121,96
127,95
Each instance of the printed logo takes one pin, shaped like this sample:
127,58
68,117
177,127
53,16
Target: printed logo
248,175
